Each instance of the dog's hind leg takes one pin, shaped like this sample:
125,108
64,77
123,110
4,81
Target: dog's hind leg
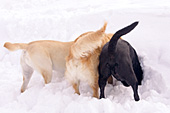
72,79
76,87
47,75
103,77
27,73
135,90
138,72
95,90
102,84
137,67
95,87
41,61
134,84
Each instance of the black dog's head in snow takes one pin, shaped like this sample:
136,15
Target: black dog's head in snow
118,58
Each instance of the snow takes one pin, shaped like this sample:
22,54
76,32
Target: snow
64,20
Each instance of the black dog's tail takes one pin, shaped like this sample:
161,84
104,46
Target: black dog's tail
117,35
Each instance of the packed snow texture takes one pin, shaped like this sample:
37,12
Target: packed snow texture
23,21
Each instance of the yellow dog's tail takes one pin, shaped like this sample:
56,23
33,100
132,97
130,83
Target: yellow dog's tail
15,46
88,43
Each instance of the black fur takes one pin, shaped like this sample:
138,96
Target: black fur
119,58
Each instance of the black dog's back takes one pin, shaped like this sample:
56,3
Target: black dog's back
119,58
125,49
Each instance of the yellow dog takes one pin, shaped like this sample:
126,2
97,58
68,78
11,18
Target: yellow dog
83,59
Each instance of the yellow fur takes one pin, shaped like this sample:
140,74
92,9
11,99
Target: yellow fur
42,56
83,59
16,46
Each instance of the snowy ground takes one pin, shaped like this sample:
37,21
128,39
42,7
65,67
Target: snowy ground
64,20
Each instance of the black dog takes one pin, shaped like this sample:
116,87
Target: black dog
118,58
